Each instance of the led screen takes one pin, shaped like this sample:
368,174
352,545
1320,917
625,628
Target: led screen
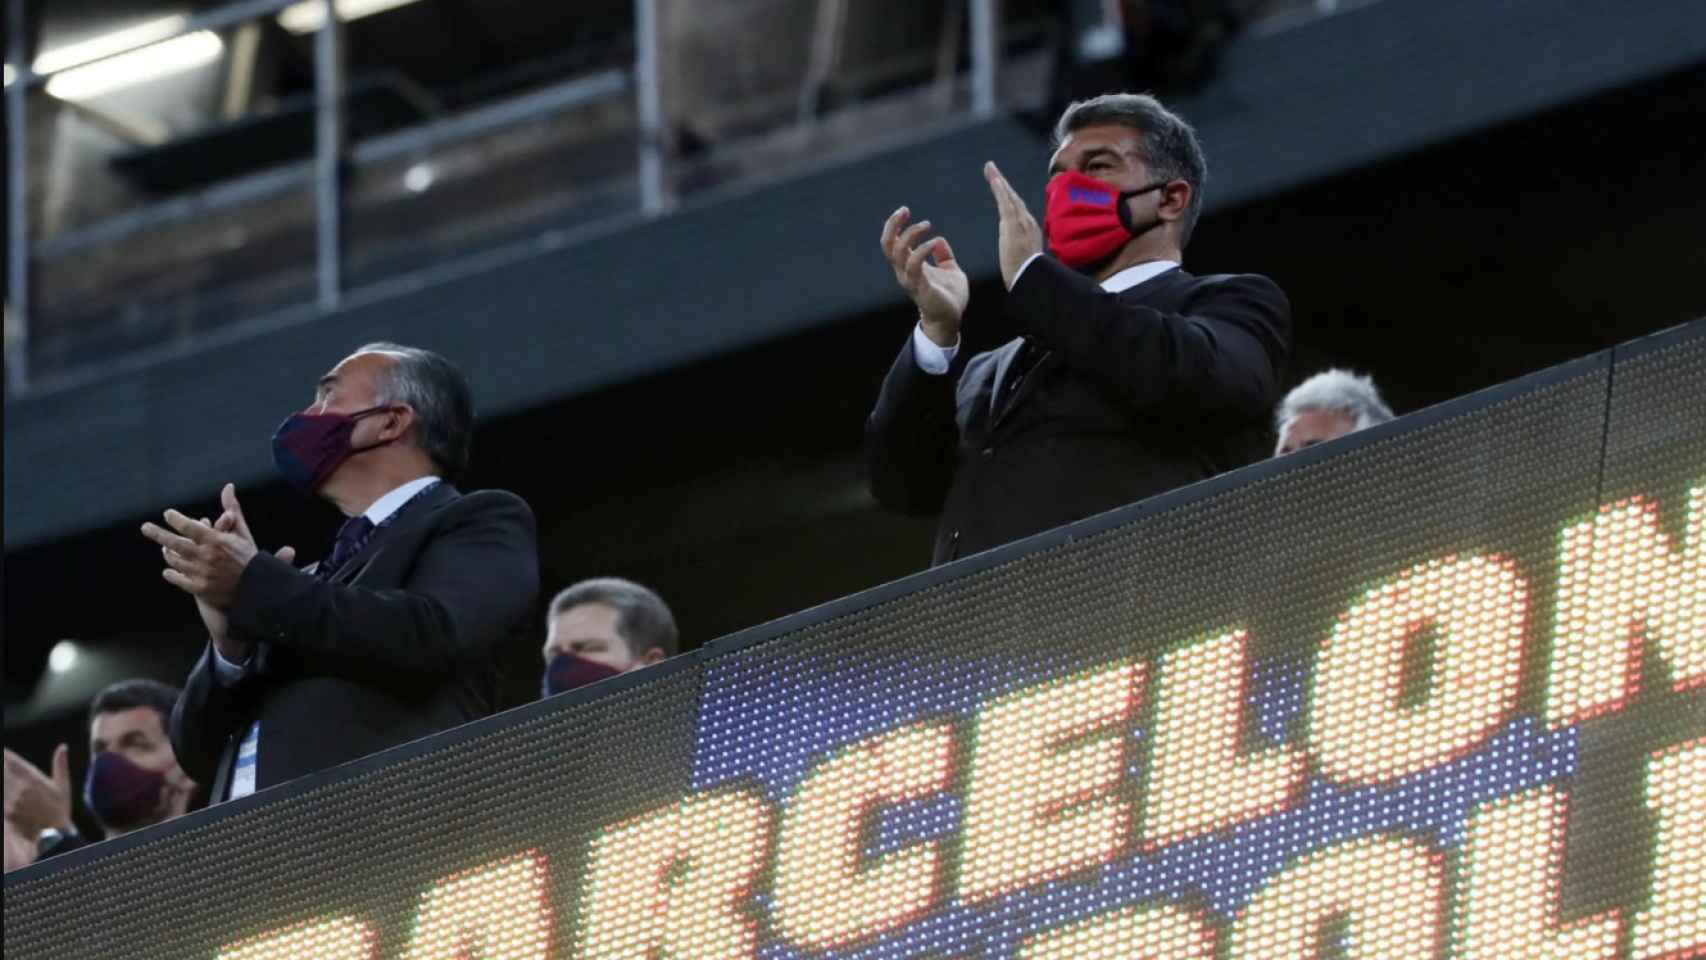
1438,692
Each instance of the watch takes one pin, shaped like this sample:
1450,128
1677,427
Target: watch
50,840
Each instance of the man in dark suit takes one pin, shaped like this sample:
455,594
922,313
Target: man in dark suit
1131,376
397,633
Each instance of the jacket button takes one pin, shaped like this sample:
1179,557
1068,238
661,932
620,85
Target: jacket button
988,452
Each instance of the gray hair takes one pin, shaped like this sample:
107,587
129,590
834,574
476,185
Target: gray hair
642,618
1338,390
1169,145
440,397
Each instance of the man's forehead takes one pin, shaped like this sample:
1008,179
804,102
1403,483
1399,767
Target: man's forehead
592,615
1117,136
110,725
365,362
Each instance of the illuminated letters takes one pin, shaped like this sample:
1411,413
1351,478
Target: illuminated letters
1039,807
1418,672
1513,856
344,938
824,896
1360,731
1160,932
1387,891
494,912
1197,780
1617,573
675,881
1675,924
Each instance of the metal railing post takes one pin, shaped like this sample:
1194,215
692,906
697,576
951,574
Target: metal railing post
654,199
985,54
17,200
329,155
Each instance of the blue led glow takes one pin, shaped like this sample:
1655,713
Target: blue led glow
1276,695
764,722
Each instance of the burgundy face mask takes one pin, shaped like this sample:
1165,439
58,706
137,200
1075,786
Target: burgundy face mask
567,671
307,447
120,793
1086,220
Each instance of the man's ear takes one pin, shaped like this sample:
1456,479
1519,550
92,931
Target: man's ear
654,655
1175,200
398,421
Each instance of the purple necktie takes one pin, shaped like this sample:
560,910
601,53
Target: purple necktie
352,536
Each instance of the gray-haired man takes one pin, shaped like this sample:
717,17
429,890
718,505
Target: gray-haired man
396,634
1325,407
600,628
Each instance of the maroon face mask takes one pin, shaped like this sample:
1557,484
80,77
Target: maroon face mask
566,671
307,447
121,793
1086,220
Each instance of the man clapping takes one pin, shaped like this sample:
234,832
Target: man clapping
396,633
1131,376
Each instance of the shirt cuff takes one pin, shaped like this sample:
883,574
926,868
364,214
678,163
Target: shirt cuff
226,672
931,358
1021,272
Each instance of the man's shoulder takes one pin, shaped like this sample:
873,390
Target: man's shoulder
1213,283
458,504
477,515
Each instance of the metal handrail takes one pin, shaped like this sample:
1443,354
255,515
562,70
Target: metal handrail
275,181
325,171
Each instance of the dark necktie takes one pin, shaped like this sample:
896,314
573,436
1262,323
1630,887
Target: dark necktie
352,536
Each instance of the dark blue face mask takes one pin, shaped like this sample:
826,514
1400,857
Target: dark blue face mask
121,794
566,671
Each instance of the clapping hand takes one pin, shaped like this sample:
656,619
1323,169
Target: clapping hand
206,560
1020,237
929,274
36,801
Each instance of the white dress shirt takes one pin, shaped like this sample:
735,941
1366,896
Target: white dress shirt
936,360
228,673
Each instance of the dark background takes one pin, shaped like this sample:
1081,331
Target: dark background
714,455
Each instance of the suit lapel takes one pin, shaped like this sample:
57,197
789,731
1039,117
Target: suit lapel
1157,291
971,398
1026,386
1004,362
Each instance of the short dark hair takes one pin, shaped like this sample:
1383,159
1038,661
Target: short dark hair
130,694
1169,145
440,397
642,618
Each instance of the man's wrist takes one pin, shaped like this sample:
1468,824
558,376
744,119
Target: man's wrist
1023,267
51,839
235,652
943,334
931,357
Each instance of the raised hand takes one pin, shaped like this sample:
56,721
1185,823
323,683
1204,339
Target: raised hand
233,521
36,801
207,560
1020,237
929,274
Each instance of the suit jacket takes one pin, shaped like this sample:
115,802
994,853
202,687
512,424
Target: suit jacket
402,642
1135,393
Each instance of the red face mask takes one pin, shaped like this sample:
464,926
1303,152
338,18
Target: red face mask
1086,220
